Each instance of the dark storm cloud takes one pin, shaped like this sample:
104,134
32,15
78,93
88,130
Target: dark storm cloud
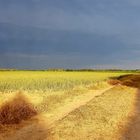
44,41
76,33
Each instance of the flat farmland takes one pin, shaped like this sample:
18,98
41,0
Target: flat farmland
68,105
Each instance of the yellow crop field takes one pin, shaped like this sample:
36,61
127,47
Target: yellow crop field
44,81
60,105
50,88
47,87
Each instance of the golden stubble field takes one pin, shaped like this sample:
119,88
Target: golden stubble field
64,105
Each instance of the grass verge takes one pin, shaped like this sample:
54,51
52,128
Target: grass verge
99,119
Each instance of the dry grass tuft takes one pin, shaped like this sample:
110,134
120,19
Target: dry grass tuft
132,80
113,82
16,110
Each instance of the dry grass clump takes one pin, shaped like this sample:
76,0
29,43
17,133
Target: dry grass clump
113,82
16,110
132,80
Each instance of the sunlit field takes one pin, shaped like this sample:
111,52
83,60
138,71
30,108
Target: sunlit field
50,87
67,105
49,81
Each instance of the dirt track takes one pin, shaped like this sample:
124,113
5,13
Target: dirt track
38,128
80,101
131,131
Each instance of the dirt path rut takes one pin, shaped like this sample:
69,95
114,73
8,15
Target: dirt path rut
38,130
81,100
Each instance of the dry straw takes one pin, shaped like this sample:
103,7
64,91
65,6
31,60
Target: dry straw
16,110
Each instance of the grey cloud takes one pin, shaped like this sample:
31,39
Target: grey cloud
38,41
80,33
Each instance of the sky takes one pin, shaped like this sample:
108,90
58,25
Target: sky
70,34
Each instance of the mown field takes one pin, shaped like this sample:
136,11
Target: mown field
69,105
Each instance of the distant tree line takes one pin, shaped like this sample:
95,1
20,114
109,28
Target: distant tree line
72,70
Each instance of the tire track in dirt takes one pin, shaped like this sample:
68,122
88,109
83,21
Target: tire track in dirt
38,130
131,128
131,131
67,109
